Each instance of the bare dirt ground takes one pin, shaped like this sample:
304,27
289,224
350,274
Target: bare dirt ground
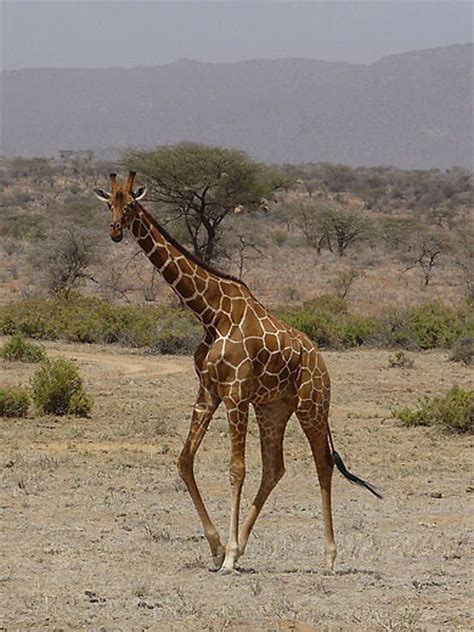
98,533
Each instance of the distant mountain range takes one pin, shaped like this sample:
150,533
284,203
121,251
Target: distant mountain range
412,110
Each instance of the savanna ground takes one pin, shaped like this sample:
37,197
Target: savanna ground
99,533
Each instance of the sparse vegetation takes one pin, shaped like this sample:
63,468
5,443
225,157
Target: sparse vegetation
177,335
14,401
65,260
326,319
86,319
463,351
454,412
57,389
328,322
400,360
429,325
17,349
332,228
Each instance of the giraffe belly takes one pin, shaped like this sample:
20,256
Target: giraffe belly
274,381
264,394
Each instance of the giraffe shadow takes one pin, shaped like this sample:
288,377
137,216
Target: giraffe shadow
313,571
239,570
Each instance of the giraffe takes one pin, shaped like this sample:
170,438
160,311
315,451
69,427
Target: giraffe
247,357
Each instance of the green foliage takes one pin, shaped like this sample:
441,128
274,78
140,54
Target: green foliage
279,238
463,351
327,321
333,228
27,226
454,412
201,185
400,360
78,318
17,349
177,335
19,167
397,232
388,187
14,401
430,325
57,389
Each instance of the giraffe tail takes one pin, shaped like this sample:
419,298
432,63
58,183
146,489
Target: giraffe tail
339,463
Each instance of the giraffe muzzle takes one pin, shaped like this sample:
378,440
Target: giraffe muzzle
116,232
117,237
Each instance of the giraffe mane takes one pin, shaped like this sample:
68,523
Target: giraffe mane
189,255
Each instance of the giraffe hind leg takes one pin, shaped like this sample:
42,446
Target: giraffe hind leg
272,419
314,426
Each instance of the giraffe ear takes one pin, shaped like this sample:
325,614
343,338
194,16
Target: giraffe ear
140,193
102,195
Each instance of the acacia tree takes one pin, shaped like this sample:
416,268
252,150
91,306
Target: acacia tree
463,257
424,252
200,186
334,228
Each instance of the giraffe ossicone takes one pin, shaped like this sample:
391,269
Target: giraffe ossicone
247,357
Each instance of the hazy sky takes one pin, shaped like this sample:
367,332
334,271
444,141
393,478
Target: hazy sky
97,34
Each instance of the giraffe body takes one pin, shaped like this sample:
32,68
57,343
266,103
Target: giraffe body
247,357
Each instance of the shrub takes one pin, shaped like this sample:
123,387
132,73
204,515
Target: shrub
14,402
177,336
78,318
454,412
57,389
401,361
463,351
327,321
17,349
430,325
279,238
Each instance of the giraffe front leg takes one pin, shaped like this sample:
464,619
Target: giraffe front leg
237,415
204,408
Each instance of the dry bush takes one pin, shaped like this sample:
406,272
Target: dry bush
66,260
14,401
343,282
401,361
463,351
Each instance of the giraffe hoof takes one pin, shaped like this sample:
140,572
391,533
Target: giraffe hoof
218,559
226,571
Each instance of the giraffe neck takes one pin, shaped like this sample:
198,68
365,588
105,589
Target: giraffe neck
199,288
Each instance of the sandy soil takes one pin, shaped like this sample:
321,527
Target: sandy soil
98,532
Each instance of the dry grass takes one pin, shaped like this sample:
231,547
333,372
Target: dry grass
98,532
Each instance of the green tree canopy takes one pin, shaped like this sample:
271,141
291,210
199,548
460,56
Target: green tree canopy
201,185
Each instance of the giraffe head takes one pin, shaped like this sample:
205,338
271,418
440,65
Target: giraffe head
122,203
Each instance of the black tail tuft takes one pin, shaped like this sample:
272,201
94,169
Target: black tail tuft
352,477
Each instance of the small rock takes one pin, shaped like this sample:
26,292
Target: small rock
144,604
94,597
